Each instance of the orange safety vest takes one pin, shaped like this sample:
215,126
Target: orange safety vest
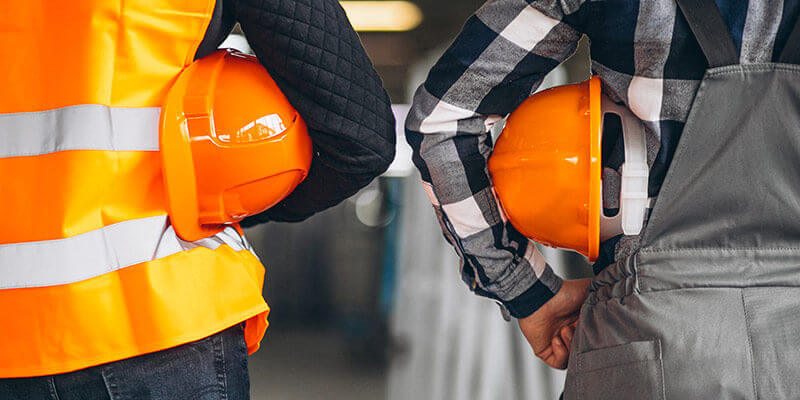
91,270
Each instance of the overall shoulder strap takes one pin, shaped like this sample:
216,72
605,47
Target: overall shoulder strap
791,51
711,32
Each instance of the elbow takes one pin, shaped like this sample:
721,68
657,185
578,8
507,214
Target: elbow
385,145
386,153
386,130
366,150
355,138
413,126
382,154
385,160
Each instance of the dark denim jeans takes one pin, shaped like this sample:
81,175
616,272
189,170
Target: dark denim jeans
214,368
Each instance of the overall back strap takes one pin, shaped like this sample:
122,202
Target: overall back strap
711,32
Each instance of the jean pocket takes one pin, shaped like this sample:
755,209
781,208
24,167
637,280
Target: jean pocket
628,371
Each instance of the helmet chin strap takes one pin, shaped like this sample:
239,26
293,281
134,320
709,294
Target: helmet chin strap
633,200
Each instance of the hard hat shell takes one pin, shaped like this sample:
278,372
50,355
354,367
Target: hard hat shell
231,144
546,167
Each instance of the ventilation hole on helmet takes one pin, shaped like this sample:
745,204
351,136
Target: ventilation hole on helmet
612,131
610,212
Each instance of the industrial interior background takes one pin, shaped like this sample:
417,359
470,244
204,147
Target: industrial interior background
366,297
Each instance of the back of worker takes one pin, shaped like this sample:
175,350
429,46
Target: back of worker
91,270
91,257
705,302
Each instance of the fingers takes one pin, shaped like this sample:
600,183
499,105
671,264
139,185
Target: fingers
560,354
556,354
545,354
567,333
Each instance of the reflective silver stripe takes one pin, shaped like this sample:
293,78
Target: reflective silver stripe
62,261
82,127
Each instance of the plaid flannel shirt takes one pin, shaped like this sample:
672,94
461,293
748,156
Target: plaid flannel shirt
647,58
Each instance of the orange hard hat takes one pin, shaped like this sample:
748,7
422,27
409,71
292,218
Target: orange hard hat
546,169
231,144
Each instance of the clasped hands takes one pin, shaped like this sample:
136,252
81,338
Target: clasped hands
550,329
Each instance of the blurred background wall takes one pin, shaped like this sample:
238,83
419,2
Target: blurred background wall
366,297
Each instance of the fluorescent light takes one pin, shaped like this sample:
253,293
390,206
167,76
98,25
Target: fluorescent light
386,16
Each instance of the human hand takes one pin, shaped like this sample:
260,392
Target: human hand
549,330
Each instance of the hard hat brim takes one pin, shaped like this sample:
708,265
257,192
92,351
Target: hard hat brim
595,168
180,181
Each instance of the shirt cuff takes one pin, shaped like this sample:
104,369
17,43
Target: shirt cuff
533,298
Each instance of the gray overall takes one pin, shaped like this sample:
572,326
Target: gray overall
708,306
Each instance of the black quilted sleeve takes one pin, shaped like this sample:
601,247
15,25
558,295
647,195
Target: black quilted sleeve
315,56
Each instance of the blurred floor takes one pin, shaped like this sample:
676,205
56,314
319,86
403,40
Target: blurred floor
297,363
323,279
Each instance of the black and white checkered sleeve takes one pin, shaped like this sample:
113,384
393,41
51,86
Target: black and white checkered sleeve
497,61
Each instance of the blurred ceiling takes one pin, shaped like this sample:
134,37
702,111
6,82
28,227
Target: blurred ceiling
393,53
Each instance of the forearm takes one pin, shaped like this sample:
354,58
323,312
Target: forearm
496,260
498,60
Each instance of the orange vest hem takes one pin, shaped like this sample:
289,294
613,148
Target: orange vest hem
257,316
